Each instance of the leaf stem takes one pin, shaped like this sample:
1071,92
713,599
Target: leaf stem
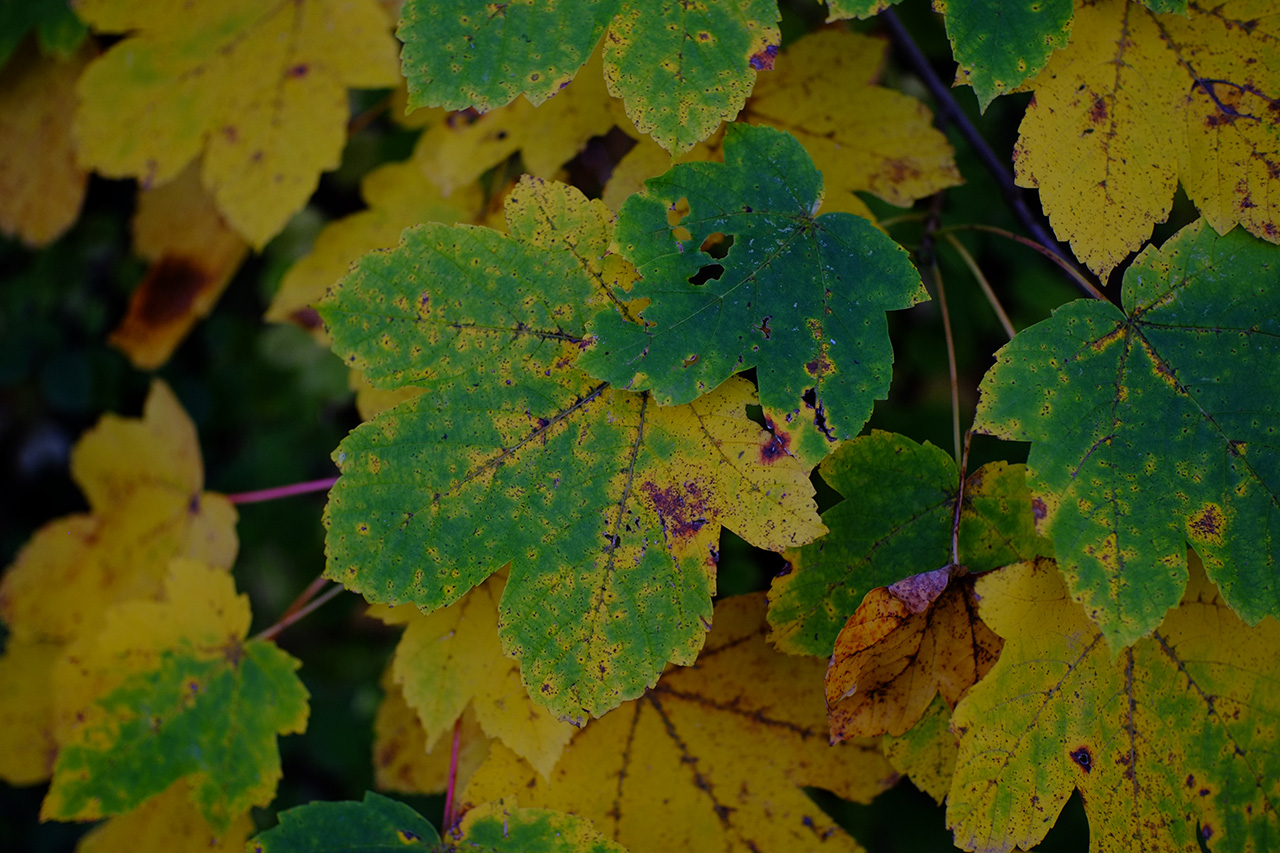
282,491
288,619
928,258
949,111
983,283
955,517
1083,283
453,776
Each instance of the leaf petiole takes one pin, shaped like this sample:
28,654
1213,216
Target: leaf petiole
282,491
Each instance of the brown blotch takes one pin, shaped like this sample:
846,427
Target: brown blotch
763,60
1038,508
1098,112
820,366
169,290
1083,757
776,446
681,508
299,70
1207,524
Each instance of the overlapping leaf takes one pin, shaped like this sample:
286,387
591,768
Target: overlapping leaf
379,824
260,89
1173,744
170,690
861,136
607,507
1156,426
895,522
193,254
1139,101
927,752
144,481
1000,45
681,67
41,185
401,760
750,276
711,758
170,822
452,658
906,643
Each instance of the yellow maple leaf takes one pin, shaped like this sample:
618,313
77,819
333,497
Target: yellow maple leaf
452,659
169,822
456,152
710,759
144,482
861,136
401,760
1138,101
41,187
260,89
193,254
27,747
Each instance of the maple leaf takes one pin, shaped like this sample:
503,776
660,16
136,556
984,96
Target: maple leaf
862,137
378,824
170,690
1192,363
896,522
452,659
41,186
401,760
1139,101
680,67
259,89
456,152
927,751
168,821
27,745
750,277
1172,745
904,644
193,254
711,758
608,507
144,482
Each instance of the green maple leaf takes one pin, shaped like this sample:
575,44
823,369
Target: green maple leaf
380,824
1156,426
752,277
170,690
1172,745
607,506
680,67
899,524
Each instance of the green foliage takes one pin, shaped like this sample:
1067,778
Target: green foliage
622,399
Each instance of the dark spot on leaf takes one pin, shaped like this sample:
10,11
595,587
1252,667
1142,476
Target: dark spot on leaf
777,445
681,508
1206,832
784,571
408,836
193,505
169,290
1098,112
299,70
820,366
1191,781
1083,757
1207,524
764,327
1038,508
763,60
710,272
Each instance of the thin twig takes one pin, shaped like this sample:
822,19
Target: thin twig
312,590
949,111
302,612
1083,283
283,491
453,775
951,355
955,517
982,283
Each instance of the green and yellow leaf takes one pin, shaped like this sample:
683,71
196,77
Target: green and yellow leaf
1153,427
260,90
169,821
170,690
1172,744
712,758
742,273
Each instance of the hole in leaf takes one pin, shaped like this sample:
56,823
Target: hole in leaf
716,245
675,214
710,272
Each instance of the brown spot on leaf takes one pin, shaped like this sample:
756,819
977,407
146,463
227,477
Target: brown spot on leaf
169,290
777,444
1098,112
682,508
763,60
1083,757
820,366
1038,508
299,70
1207,524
